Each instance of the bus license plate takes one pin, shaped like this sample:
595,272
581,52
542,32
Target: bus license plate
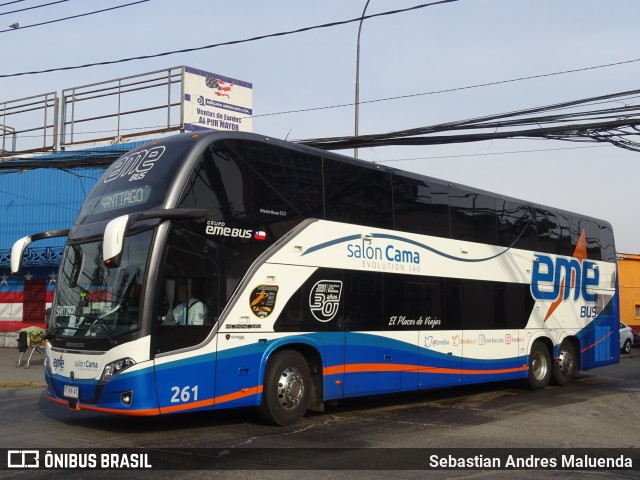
71,391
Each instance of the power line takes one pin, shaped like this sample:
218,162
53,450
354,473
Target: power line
33,8
486,154
617,125
454,89
10,3
232,42
72,17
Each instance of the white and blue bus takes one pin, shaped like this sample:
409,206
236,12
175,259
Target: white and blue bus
218,270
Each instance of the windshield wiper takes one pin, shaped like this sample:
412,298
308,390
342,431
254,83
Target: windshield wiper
103,324
56,328
100,321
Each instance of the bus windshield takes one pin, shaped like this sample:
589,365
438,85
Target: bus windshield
95,302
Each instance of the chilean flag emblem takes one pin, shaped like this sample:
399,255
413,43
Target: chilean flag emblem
260,235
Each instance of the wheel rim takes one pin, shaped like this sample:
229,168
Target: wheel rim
539,366
566,362
290,388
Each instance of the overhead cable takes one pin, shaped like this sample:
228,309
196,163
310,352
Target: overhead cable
619,126
34,7
71,17
232,42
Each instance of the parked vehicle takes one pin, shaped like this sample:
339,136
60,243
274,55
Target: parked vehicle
626,338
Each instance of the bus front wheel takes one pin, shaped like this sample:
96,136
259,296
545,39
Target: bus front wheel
287,388
539,366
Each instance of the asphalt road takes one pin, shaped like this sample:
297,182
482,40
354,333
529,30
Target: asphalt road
600,410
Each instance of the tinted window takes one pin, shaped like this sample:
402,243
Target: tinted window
570,240
453,304
355,194
592,237
363,301
292,180
607,243
413,303
516,226
420,206
256,192
513,305
548,229
473,216
477,304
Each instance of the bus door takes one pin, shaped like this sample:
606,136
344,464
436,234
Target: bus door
381,353
187,300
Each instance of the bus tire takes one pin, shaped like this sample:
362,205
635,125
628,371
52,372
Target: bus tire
287,389
539,366
567,366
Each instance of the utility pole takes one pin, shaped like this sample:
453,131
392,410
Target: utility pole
357,103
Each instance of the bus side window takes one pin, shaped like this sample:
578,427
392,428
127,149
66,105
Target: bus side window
592,237
516,225
363,301
354,194
421,207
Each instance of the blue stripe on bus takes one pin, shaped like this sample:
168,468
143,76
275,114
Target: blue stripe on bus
372,364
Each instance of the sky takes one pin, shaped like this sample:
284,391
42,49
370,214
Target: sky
415,54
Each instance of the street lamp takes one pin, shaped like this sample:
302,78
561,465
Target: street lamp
357,104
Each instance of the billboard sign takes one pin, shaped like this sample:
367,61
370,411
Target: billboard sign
216,102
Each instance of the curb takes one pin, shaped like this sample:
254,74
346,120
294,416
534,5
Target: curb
9,339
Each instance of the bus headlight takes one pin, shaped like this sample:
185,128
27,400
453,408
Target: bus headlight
114,368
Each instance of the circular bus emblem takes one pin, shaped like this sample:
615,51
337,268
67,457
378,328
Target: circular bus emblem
324,299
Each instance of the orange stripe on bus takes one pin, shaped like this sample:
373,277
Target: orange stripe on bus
385,367
245,392
229,397
187,406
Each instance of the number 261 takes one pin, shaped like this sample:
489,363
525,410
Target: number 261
184,394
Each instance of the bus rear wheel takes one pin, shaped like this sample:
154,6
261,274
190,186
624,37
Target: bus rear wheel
287,387
539,366
567,365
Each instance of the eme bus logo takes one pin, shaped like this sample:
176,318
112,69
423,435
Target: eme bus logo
558,280
550,278
58,363
134,165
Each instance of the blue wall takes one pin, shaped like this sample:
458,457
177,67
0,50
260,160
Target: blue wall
43,199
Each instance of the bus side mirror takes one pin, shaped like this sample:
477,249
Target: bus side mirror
17,251
114,240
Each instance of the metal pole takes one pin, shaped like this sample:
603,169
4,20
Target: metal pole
355,150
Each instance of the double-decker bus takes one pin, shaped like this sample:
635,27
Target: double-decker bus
217,270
